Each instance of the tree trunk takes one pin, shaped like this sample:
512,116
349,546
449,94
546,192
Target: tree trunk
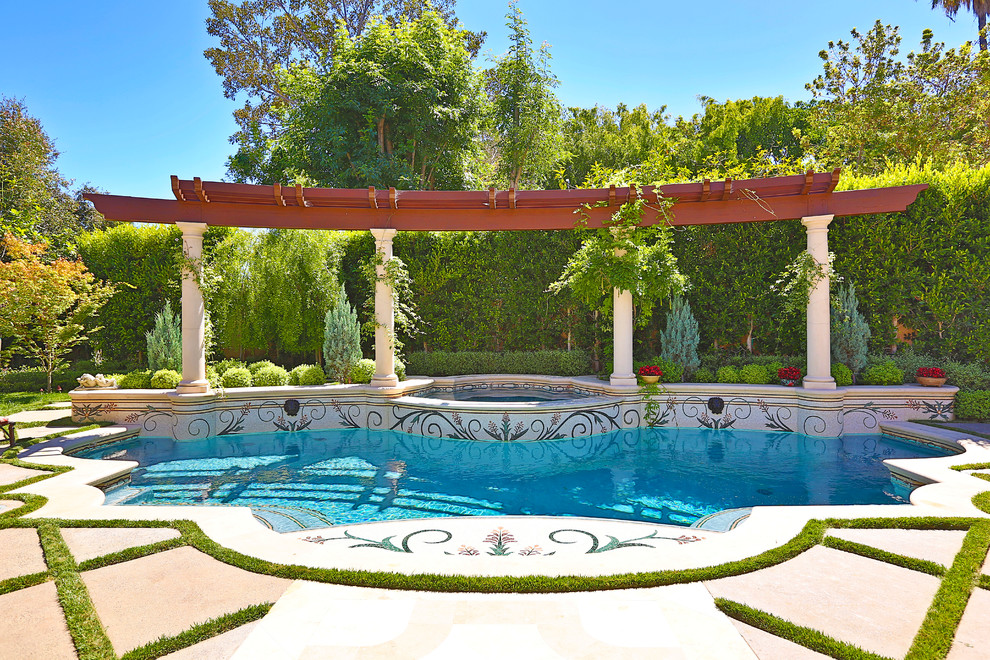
381,135
981,21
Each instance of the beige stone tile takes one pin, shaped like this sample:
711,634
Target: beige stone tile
38,415
88,543
20,553
508,611
221,647
846,596
166,593
10,474
972,641
771,647
32,626
937,545
9,505
494,642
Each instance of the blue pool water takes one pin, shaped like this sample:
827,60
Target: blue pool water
315,478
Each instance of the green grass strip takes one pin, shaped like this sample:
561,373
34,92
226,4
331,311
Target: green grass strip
920,565
984,582
132,553
806,637
23,582
84,625
198,633
971,466
31,503
934,639
925,522
982,501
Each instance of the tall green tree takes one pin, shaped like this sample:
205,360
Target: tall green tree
260,39
35,200
876,108
398,106
525,117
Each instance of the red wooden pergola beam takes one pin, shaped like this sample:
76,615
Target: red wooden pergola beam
534,209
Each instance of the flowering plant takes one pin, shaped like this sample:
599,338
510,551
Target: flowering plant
789,373
650,370
929,372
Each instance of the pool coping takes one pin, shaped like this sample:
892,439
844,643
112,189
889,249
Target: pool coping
579,546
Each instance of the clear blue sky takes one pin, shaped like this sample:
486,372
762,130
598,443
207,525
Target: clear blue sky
124,89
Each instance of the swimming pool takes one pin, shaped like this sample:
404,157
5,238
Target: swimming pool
313,479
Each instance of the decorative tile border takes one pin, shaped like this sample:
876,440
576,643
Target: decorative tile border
828,413
501,542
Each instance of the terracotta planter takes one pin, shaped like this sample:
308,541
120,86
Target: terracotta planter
650,379
930,382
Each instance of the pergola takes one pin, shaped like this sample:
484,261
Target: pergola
810,197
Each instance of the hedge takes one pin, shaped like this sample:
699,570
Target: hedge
450,363
973,405
34,380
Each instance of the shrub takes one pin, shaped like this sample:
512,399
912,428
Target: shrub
311,374
165,379
704,375
909,361
136,380
255,367
212,376
774,367
973,405
967,376
223,366
728,374
850,331
164,340
679,340
883,373
400,369
341,338
842,374
270,377
362,372
755,374
236,377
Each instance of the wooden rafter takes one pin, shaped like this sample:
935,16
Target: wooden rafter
198,187
177,190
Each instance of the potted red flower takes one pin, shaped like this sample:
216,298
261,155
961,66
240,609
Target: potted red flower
789,376
930,376
650,373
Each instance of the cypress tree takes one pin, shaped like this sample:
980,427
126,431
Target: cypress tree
679,341
341,339
165,341
850,331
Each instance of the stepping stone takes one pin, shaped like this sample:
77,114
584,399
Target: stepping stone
220,647
11,474
973,635
166,593
88,543
38,416
843,595
937,545
771,647
9,505
20,554
32,626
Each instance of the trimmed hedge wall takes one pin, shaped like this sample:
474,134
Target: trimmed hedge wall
548,363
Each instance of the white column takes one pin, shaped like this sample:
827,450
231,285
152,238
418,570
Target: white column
193,314
819,375
384,315
622,339
622,335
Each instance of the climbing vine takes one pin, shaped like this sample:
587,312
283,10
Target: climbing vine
800,277
623,254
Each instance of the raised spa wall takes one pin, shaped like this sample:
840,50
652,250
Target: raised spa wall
603,408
